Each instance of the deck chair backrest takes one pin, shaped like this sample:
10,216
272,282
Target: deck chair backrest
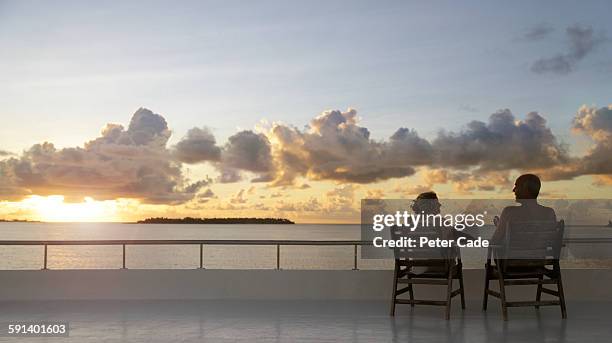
533,240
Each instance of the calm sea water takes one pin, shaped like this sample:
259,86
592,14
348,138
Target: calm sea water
180,256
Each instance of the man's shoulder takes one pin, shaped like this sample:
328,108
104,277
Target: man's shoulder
550,211
546,208
510,209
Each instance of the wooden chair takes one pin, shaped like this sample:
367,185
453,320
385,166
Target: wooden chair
425,266
529,255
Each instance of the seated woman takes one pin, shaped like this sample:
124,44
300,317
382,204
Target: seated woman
427,264
428,203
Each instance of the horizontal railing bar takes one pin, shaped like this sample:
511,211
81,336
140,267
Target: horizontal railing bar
183,242
232,242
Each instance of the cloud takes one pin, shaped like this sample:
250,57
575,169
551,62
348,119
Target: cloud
468,108
462,181
229,176
538,32
198,145
5,153
335,147
503,143
375,194
239,198
581,42
194,187
311,205
341,199
595,123
466,183
246,151
559,64
207,194
136,163
413,190
132,163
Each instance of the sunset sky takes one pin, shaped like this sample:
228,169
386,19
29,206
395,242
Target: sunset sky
298,110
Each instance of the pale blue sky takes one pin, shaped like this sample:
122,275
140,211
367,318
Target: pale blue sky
68,68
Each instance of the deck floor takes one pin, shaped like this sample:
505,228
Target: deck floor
306,321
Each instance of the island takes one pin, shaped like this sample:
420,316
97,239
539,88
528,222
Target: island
18,221
189,220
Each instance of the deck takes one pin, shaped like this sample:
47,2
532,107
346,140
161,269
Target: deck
306,321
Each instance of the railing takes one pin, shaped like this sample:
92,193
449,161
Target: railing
202,243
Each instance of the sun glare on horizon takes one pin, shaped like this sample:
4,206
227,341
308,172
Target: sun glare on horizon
54,209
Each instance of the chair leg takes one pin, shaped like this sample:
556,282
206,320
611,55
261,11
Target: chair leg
486,288
449,290
502,293
461,288
539,293
394,292
561,297
411,293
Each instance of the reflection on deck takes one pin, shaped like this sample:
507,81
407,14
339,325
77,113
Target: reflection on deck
307,321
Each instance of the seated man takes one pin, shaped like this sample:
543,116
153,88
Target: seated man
526,190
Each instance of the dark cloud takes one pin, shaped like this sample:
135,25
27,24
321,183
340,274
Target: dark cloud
559,64
239,198
335,147
194,187
247,151
581,42
538,32
503,143
229,175
206,194
132,163
205,197
198,145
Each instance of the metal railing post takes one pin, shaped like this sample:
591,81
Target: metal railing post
45,259
123,267
355,255
201,256
278,257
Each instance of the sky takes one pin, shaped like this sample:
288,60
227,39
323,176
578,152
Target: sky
296,109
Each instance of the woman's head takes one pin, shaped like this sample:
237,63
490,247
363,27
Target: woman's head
426,203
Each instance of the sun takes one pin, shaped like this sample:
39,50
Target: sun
54,209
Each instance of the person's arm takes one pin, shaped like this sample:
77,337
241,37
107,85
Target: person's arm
500,231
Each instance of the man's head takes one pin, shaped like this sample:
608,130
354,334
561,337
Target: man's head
527,186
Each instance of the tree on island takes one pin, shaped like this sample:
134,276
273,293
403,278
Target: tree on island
190,220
